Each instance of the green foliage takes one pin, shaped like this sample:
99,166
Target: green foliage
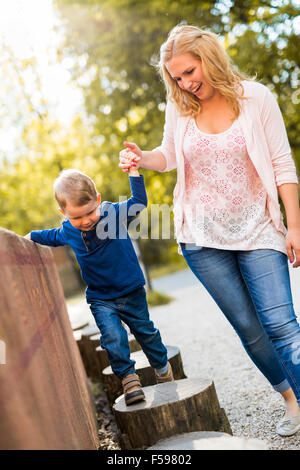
273,45
26,184
113,45
118,42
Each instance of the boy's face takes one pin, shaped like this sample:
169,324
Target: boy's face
83,217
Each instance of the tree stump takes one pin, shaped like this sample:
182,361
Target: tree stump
103,357
87,343
90,330
133,344
82,335
170,408
93,366
113,385
208,441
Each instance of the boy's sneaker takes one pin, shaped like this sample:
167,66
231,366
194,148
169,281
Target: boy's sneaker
132,389
167,377
288,426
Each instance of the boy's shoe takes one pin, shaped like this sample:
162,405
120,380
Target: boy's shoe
167,377
132,389
288,426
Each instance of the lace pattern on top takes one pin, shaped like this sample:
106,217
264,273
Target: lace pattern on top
225,200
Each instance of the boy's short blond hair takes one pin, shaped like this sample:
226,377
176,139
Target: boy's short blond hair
75,188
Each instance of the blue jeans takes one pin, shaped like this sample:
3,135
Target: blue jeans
252,289
132,309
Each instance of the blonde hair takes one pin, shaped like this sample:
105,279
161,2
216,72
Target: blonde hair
74,187
216,65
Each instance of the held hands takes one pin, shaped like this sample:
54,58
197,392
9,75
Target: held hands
130,158
293,246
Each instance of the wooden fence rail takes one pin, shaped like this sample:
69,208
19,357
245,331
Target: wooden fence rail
45,401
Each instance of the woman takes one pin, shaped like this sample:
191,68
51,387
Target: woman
225,135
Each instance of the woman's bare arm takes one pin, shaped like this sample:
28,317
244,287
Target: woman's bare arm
288,193
151,160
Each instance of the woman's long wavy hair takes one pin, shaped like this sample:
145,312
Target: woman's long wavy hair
216,65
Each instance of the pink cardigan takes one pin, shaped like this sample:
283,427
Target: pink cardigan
266,141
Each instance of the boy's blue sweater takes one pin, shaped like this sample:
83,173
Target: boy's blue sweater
107,259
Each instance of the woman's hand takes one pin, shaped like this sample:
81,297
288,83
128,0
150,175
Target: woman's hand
293,246
125,164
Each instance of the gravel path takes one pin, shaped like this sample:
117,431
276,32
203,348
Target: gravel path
210,348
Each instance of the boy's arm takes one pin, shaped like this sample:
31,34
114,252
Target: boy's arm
130,208
52,237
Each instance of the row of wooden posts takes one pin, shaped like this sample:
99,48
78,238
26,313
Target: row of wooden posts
184,414
44,392
45,399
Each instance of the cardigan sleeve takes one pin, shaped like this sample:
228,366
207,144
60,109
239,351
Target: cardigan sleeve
277,140
167,147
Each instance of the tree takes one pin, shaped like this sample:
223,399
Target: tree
265,32
114,44
43,147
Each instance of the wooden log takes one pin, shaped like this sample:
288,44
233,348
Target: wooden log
81,335
44,396
103,357
87,347
113,385
90,330
133,344
208,441
94,357
93,367
171,408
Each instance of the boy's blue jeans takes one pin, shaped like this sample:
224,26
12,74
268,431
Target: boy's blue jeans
132,309
252,288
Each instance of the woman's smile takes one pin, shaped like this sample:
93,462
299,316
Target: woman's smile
197,89
187,71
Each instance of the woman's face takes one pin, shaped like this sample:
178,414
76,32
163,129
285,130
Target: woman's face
186,70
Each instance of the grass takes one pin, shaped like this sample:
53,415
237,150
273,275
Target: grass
165,269
154,298
76,298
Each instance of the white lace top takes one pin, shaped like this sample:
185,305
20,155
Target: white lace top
223,186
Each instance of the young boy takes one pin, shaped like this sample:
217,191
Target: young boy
97,232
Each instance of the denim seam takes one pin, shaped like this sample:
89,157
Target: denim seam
277,354
287,370
282,387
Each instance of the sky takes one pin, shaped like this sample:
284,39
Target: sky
28,27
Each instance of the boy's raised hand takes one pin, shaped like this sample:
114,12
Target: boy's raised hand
131,160
130,157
